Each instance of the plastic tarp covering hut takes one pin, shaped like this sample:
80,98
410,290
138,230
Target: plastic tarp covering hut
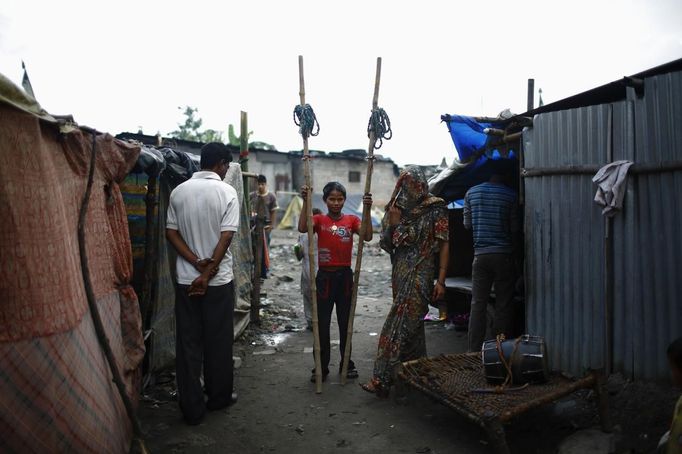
474,155
242,255
291,215
56,388
168,168
171,168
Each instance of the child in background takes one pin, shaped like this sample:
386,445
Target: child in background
671,442
334,278
301,250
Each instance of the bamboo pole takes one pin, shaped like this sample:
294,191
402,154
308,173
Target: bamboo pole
311,239
244,156
366,224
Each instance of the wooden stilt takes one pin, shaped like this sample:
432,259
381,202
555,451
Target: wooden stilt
311,239
366,224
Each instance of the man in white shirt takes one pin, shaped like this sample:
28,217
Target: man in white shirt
203,214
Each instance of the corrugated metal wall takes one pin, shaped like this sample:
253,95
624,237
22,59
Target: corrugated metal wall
649,310
564,229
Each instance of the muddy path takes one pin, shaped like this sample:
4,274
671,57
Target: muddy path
279,412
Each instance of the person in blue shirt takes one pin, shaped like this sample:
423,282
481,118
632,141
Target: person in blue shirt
491,213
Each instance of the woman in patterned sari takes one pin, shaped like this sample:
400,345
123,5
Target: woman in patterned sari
415,233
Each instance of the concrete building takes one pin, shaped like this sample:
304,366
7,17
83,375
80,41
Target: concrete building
349,168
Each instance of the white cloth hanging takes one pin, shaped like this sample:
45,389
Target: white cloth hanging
611,184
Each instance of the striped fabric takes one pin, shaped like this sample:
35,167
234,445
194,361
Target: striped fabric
57,392
491,211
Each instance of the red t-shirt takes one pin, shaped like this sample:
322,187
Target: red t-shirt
335,238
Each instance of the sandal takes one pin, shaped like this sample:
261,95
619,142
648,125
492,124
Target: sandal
374,388
352,373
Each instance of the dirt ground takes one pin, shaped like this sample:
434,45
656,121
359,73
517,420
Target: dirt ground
279,412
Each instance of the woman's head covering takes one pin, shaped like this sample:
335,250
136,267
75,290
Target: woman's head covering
410,190
411,195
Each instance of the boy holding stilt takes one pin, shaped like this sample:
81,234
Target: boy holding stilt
334,278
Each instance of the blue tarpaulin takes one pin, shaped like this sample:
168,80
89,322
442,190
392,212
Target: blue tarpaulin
477,159
467,134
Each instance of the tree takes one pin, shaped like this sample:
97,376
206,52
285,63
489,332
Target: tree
234,140
211,135
189,130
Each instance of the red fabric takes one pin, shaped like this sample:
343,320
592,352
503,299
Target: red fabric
335,239
42,181
266,252
56,390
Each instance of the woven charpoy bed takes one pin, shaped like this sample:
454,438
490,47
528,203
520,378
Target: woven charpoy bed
458,380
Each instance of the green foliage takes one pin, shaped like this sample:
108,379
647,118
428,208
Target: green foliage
189,130
211,135
262,146
234,138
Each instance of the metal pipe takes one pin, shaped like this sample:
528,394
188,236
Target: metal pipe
608,263
565,170
590,169
531,95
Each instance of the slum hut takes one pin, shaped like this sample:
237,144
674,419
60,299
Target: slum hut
277,166
603,291
146,192
56,388
484,145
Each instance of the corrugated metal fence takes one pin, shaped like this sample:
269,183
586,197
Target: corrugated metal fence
602,296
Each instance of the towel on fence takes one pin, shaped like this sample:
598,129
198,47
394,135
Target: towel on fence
610,181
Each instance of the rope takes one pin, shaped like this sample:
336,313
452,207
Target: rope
380,124
305,119
510,377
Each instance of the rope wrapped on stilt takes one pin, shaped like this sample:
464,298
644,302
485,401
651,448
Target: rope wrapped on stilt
380,124
305,119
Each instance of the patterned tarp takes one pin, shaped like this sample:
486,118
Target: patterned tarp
56,391
242,255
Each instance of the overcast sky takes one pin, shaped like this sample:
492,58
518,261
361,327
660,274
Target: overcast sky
124,65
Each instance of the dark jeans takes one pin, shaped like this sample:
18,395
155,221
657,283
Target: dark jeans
205,334
333,287
489,269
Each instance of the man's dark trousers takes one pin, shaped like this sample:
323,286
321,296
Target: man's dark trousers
205,333
488,269
333,287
